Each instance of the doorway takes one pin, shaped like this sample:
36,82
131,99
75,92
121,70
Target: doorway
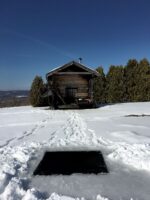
71,94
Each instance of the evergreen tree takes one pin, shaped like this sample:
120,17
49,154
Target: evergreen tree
142,80
36,91
115,88
130,80
99,86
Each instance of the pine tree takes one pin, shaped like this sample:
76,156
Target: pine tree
130,80
142,80
36,91
115,88
99,86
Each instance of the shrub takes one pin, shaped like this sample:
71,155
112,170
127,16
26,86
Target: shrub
36,91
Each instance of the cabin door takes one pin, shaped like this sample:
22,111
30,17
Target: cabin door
71,95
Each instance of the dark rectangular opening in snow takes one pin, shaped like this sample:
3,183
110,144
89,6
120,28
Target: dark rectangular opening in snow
69,162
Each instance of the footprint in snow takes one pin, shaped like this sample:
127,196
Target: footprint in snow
7,142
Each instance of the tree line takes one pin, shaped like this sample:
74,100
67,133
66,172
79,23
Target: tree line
129,83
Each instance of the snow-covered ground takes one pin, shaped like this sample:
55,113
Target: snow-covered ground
124,139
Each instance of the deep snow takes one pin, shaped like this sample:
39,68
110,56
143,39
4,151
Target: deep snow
26,133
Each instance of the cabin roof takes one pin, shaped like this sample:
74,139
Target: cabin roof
79,65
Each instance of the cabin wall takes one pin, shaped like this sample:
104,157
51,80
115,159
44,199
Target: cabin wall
81,82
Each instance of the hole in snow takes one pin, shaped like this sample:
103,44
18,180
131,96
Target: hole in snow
69,162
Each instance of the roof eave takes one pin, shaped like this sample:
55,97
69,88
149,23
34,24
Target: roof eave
93,72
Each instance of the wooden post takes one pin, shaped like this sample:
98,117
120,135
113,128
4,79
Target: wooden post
91,88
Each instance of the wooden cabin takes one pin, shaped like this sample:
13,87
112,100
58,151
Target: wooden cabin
71,85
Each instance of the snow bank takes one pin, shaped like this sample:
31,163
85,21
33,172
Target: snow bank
137,155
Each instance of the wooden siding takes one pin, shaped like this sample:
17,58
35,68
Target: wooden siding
81,82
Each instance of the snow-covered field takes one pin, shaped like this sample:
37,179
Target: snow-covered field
26,133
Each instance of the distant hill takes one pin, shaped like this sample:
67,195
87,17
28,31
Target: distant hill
14,98
14,93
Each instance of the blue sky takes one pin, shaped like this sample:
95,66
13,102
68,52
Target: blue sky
38,35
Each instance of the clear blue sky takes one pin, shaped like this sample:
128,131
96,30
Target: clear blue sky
38,35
